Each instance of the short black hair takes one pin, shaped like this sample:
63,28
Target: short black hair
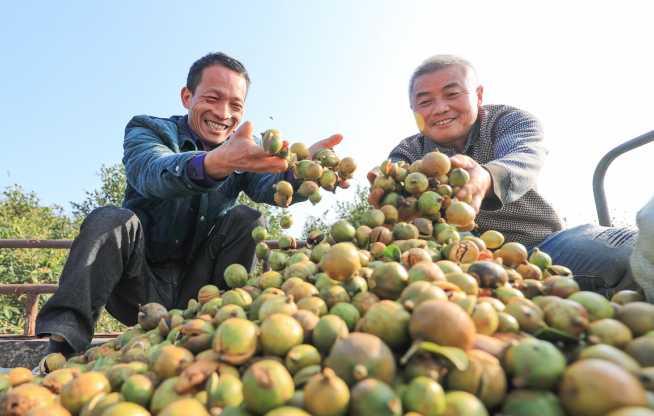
436,63
215,58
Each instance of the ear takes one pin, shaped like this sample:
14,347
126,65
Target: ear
480,95
186,96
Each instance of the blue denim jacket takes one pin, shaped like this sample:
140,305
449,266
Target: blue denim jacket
177,213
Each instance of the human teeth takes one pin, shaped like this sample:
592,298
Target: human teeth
443,122
215,126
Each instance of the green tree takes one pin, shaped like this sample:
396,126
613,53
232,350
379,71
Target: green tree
22,216
351,210
111,192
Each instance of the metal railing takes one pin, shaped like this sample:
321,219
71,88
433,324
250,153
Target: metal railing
600,171
33,291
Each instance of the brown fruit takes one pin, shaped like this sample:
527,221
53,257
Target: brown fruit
443,323
341,261
595,387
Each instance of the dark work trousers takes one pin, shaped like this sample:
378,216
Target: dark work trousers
107,267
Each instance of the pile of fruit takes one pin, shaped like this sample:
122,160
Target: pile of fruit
324,170
408,314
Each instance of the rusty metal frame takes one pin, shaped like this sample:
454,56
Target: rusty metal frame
33,291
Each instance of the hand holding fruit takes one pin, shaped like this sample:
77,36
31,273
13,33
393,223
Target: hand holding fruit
479,184
241,153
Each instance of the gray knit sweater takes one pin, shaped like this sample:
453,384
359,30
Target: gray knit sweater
508,142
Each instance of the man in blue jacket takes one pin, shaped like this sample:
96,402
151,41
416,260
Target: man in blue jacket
178,228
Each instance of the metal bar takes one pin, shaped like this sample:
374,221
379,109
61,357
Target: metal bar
600,171
36,243
31,310
21,288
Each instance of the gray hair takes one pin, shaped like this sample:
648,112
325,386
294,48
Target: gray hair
436,63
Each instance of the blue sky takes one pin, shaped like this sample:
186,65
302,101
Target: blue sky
73,73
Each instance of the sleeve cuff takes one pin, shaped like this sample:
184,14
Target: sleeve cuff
197,174
499,175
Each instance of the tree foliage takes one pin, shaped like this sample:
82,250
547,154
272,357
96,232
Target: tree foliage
22,216
351,211
111,192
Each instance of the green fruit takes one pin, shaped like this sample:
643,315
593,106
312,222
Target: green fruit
186,406
462,403
347,312
262,250
266,385
301,356
271,141
126,409
286,221
259,233
285,411
280,333
237,296
416,183
532,403
597,306
82,389
361,355
540,259
341,261
374,397
389,321
342,230
425,396
458,177
228,311
534,363
328,330
138,389
484,378
612,354
326,394
235,340
223,391
388,280
429,204
372,218
595,387
235,275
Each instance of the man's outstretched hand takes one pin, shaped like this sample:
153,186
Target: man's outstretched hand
480,183
327,143
241,153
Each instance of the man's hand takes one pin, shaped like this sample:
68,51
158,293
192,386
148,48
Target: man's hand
327,143
241,153
480,183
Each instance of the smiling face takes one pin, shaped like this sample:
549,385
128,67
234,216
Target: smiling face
446,103
217,105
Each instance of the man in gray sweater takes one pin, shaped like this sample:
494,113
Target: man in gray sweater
502,149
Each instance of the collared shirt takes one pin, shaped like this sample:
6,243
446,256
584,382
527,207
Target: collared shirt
508,142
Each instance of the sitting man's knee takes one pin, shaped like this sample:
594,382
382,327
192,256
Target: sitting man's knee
111,216
246,216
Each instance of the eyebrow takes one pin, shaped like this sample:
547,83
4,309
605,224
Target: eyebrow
453,85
